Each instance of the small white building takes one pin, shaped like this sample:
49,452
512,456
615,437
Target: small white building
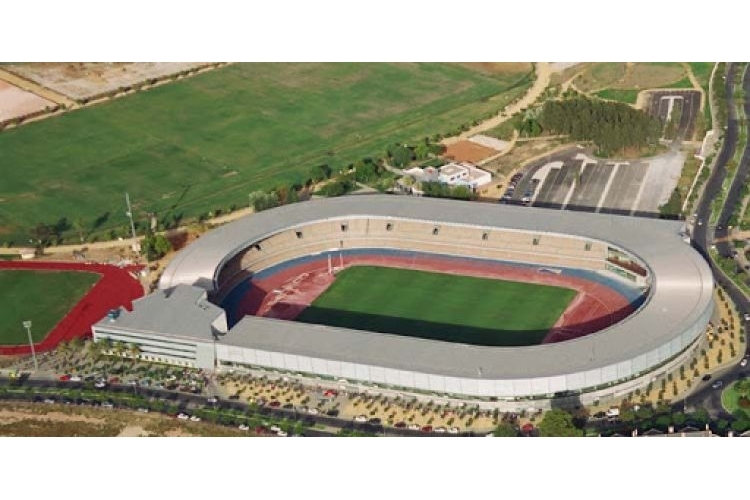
452,174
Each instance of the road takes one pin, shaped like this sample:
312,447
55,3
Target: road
704,235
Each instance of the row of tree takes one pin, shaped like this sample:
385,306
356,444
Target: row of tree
612,126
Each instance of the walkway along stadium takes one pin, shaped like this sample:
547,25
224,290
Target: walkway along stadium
644,297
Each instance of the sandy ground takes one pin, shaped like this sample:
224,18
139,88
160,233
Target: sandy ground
8,416
134,431
35,88
84,80
15,102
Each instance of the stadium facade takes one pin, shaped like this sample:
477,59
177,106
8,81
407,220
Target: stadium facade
181,324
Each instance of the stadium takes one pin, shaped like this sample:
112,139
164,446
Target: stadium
618,299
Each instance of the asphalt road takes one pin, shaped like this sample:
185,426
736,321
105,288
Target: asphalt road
704,234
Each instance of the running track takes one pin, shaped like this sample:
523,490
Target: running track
286,290
115,288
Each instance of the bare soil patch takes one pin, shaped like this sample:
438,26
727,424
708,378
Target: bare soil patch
16,102
468,151
86,80
523,153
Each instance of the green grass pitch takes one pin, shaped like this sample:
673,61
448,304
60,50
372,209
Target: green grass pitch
44,297
438,306
206,142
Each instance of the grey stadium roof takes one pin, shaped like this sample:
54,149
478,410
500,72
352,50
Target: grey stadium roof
681,291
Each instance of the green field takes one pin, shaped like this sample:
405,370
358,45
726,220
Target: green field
205,142
731,396
628,96
439,306
702,72
44,297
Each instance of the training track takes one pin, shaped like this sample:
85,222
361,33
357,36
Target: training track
115,288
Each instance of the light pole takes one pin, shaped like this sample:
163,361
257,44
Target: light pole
27,325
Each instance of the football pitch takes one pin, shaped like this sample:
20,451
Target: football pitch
43,297
438,306
197,145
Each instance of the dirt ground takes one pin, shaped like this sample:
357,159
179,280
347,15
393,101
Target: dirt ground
39,419
523,152
468,151
84,80
15,102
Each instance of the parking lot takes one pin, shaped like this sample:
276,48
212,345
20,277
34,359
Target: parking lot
663,103
575,180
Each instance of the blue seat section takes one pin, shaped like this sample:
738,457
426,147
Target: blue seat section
231,302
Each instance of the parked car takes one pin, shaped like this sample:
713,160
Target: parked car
212,401
399,425
414,427
244,427
274,404
100,384
281,434
743,363
182,416
275,428
717,384
706,377
313,411
143,410
360,418
195,419
75,378
440,430
427,428
453,430
64,378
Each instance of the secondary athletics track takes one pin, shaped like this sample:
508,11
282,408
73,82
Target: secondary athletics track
116,287
285,290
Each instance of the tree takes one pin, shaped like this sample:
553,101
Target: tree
320,173
43,234
155,246
505,429
400,155
558,422
260,200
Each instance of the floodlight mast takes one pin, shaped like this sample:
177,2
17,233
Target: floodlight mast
27,325
129,213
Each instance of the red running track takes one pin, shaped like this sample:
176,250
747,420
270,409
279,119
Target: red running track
115,288
285,294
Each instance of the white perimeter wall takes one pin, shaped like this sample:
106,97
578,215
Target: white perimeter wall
458,385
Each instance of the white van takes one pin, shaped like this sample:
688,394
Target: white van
613,412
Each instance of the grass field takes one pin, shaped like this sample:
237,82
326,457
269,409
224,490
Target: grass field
205,142
598,76
628,96
44,297
439,306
